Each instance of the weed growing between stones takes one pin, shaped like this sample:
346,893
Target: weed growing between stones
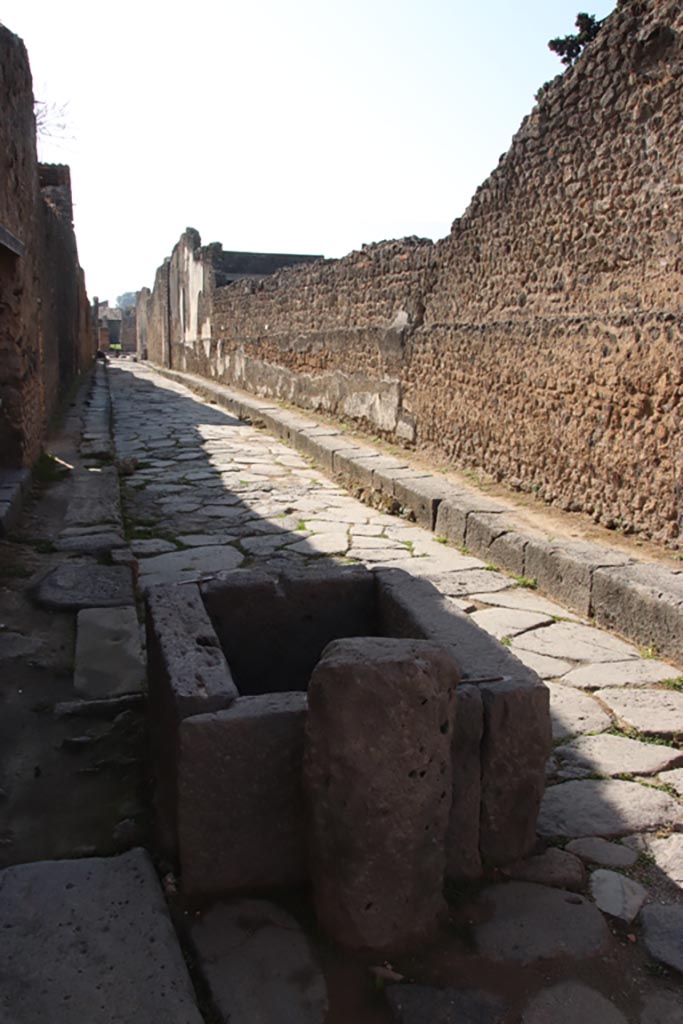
528,582
672,684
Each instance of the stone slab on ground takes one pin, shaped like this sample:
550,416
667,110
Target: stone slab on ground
554,867
71,587
673,778
571,1002
668,854
661,1008
617,895
634,672
600,851
90,543
501,622
109,657
193,563
572,713
530,922
524,599
575,642
663,934
652,712
605,808
544,665
91,940
421,1004
258,965
617,755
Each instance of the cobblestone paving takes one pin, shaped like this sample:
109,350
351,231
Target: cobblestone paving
205,493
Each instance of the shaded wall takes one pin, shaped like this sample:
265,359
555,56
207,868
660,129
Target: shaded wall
45,333
542,339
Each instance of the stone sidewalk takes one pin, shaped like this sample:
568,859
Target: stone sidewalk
205,493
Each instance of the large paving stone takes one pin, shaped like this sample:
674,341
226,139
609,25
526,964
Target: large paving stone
663,934
258,965
674,779
421,1004
575,642
544,666
572,713
501,622
90,940
470,581
668,855
90,543
71,587
378,778
599,851
571,1002
661,1008
609,807
553,867
616,755
109,657
528,922
190,564
241,818
634,672
652,712
617,895
526,600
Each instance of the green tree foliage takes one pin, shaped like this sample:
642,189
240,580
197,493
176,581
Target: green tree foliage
569,48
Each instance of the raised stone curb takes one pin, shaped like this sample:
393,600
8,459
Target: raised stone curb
14,484
643,601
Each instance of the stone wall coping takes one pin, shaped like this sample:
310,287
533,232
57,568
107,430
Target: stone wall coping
641,600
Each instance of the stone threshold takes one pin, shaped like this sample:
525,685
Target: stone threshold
641,600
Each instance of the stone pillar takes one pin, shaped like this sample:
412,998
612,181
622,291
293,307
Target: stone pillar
377,770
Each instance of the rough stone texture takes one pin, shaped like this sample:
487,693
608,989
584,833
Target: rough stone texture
599,851
652,712
420,1004
661,1008
501,622
258,965
616,755
605,808
177,566
187,675
378,778
643,601
663,934
553,867
85,585
572,306
109,657
617,895
91,940
572,712
575,642
668,855
642,672
91,543
527,923
241,819
566,569
463,859
674,778
571,1002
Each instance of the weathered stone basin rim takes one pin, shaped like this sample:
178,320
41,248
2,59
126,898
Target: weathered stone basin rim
641,600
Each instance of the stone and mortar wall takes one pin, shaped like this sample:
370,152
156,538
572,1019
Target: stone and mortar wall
541,340
45,337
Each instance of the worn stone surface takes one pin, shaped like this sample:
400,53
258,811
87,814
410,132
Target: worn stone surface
463,859
501,622
566,569
673,778
571,1002
525,600
91,940
663,934
616,755
151,546
572,713
90,543
378,777
528,922
661,1008
553,867
574,641
668,854
653,712
543,664
599,851
645,602
617,895
71,587
421,1004
605,808
188,565
641,672
109,658
258,965
240,790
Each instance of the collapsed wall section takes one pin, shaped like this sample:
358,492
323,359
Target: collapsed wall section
541,340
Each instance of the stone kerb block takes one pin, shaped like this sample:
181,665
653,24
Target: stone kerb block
645,602
187,675
566,570
240,799
453,512
377,774
516,738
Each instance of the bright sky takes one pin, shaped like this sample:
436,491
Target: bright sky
310,126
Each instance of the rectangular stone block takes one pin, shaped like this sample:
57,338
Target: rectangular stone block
422,496
507,551
564,571
344,463
452,514
241,818
645,602
483,528
321,447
